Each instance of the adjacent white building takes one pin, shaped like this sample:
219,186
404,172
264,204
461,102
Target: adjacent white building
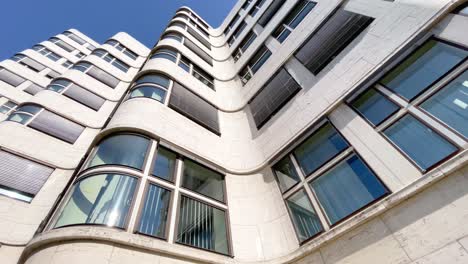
298,131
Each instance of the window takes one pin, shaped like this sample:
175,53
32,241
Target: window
237,33
7,106
244,45
422,68
191,46
109,197
197,36
374,106
62,44
114,43
21,178
246,4
74,37
202,226
154,86
256,7
96,73
232,24
271,97
28,62
203,180
331,38
90,47
412,137
125,149
46,52
270,12
257,60
326,171
304,217
173,35
294,17
450,104
10,78
76,93
461,10
80,55
194,107
153,220
185,64
47,122
67,64
33,89
111,59
102,199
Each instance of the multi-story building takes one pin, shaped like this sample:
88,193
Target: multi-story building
298,131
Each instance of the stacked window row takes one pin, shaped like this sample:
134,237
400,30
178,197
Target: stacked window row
16,80
98,74
195,25
178,194
129,53
78,40
190,45
184,63
34,65
105,55
192,32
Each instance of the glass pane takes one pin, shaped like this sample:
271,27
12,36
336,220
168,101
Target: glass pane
419,142
154,78
451,104
319,148
202,226
127,150
103,199
305,219
261,60
164,165
304,11
286,174
164,56
422,68
374,106
347,188
152,92
203,180
155,211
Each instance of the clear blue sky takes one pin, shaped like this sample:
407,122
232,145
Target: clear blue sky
27,22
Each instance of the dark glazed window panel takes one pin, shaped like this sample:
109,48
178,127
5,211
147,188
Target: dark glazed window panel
232,24
305,219
155,79
33,89
33,64
202,226
245,44
126,150
84,97
331,38
374,106
450,104
155,211
197,50
346,188
199,38
103,199
276,93
422,144
164,56
10,78
202,180
192,106
152,92
286,174
57,126
54,74
103,77
422,68
164,165
294,17
323,145
270,12
259,58
21,174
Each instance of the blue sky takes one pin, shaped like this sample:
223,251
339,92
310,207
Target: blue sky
27,22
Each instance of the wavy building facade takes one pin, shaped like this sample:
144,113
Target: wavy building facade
297,132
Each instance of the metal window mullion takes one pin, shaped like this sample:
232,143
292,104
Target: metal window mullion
308,189
168,92
176,197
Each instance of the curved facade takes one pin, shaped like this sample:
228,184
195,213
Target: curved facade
297,132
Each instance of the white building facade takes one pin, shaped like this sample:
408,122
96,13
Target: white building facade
298,131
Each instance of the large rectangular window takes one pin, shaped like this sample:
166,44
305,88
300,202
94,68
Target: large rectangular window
294,17
276,93
153,220
374,106
203,180
202,226
10,78
422,68
331,38
419,142
254,64
304,217
270,12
